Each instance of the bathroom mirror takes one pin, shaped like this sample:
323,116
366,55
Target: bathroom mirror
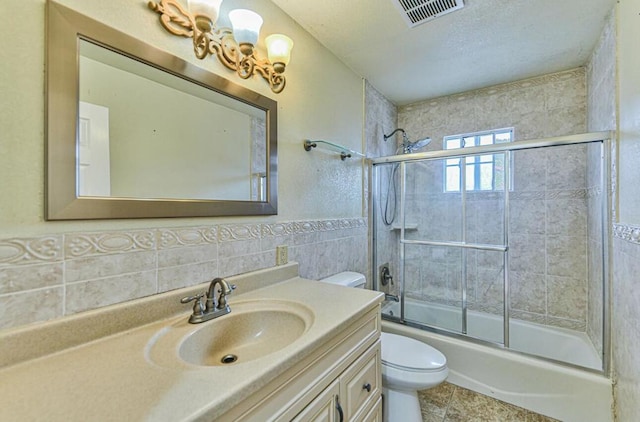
134,132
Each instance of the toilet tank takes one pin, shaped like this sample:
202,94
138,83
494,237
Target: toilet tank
348,279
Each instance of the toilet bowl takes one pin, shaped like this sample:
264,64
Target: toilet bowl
408,365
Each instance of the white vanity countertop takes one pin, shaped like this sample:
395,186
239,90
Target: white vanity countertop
113,378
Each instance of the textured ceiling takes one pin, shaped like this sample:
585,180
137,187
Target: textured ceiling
487,42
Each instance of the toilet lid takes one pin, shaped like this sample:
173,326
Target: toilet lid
407,353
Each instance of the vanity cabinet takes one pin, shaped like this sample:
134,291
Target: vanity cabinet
323,408
352,396
344,373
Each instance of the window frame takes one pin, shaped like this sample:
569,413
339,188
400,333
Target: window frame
478,160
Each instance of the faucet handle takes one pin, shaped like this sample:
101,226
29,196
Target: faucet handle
226,288
222,299
198,306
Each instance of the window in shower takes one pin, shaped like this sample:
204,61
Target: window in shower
482,172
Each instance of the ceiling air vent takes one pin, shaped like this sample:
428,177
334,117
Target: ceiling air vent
416,12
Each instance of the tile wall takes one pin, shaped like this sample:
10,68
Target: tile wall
601,101
47,277
625,298
626,320
380,119
545,106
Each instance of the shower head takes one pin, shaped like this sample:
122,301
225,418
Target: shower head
407,146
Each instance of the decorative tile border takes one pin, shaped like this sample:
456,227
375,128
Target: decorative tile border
594,192
567,194
31,251
627,232
304,227
278,229
90,244
190,236
238,232
52,248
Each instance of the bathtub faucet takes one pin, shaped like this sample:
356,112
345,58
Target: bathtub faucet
395,298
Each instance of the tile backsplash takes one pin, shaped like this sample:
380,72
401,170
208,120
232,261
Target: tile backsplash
47,277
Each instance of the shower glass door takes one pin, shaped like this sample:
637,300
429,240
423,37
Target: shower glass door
385,210
504,244
431,220
453,243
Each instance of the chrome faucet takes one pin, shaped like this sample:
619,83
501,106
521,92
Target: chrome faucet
204,310
388,296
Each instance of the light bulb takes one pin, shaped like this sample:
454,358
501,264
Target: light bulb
279,50
205,12
246,28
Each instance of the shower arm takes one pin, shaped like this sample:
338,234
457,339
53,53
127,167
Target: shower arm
404,134
408,147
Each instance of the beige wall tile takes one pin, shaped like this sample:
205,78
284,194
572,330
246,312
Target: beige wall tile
187,255
31,306
107,291
175,277
28,277
92,267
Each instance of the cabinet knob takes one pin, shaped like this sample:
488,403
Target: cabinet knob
367,387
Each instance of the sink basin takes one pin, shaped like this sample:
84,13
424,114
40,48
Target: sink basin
251,331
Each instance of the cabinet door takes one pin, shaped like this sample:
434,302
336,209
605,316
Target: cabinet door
375,414
361,384
323,408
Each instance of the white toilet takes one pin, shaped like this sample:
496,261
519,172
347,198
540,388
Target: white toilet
408,365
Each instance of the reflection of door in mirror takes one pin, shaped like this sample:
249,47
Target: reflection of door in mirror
258,159
93,151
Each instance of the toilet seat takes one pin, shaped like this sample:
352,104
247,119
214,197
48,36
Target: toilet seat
410,355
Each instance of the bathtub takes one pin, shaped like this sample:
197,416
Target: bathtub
550,342
565,393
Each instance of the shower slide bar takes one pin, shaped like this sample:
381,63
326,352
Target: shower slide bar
584,138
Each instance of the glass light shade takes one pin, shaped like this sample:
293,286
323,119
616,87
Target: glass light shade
246,26
279,48
208,8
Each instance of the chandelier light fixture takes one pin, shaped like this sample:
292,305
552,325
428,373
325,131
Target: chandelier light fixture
234,47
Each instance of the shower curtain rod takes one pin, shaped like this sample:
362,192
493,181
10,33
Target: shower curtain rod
495,148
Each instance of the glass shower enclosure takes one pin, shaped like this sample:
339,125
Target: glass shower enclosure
504,244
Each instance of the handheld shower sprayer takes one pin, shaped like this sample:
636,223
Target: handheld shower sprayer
408,147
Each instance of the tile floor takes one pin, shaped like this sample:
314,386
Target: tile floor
450,403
